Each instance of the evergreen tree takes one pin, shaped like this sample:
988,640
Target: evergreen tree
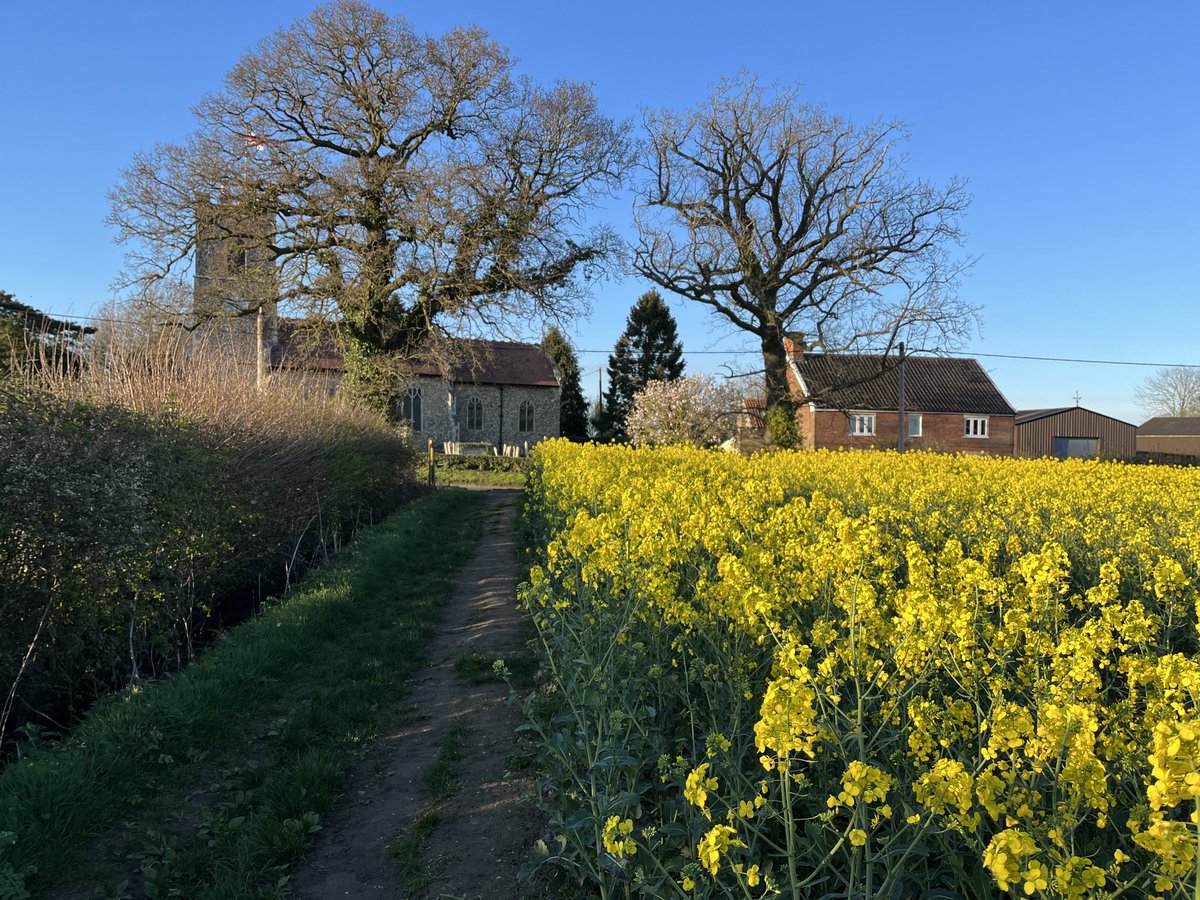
648,350
572,410
22,327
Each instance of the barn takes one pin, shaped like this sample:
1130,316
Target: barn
1073,432
1174,435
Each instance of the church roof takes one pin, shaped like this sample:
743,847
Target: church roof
495,362
301,345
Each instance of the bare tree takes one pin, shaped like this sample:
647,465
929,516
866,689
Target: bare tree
781,218
1174,391
409,184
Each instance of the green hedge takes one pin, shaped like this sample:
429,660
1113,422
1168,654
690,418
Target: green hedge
125,538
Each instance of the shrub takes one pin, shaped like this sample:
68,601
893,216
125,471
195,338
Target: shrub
692,410
154,495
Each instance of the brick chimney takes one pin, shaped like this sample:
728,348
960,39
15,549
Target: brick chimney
795,345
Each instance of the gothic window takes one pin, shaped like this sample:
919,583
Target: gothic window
525,419
410,407
474,414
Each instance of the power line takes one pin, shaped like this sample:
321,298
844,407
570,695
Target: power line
1095,362
969,353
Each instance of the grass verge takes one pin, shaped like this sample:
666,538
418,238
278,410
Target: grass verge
250,746
483,477
496,471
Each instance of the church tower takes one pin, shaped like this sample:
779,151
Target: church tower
235,285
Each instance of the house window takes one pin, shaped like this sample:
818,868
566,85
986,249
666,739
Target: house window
410,407
525,417
914,425
474,414
975,426
862,424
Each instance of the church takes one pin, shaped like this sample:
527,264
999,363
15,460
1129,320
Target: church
484,397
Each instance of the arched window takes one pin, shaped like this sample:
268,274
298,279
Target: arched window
474,414
410,407
525,419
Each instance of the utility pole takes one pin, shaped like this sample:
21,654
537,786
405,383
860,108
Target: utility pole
903,436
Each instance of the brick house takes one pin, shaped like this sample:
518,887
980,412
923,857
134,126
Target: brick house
851,401
497,397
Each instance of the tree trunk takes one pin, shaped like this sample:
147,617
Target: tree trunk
781,404
775,367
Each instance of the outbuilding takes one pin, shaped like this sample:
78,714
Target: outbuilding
1174,435
1073,432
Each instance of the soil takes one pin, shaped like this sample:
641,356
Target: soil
485,831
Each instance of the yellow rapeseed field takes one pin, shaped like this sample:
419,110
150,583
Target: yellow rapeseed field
867,675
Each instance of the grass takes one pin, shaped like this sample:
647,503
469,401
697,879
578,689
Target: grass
496,471
279,711
439,782
407,855
493,478
479,668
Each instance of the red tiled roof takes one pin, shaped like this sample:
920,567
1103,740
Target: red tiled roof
302,345
497,362
755,409
932,384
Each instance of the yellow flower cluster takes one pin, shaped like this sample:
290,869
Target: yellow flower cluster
715,844
697,787
617,837
1005,650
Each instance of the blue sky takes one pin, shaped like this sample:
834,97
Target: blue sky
1077,125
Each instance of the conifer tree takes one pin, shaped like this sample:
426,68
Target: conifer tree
22,327
648,350
573,416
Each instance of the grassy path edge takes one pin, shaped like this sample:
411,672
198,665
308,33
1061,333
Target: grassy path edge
293,696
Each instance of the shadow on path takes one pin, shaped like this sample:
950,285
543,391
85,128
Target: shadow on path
484,831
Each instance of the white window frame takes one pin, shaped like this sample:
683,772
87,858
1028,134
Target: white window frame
975,426
915,418
862,424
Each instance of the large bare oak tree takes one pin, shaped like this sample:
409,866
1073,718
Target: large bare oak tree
404,184
782,218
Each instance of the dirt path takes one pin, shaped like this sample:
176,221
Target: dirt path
484,831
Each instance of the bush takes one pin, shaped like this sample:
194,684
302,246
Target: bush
693,410
154,498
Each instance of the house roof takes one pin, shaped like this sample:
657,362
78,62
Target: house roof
1171,426
496,362
1031,415
755,409
932,384
301,345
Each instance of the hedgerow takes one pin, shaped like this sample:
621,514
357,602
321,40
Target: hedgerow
147,501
